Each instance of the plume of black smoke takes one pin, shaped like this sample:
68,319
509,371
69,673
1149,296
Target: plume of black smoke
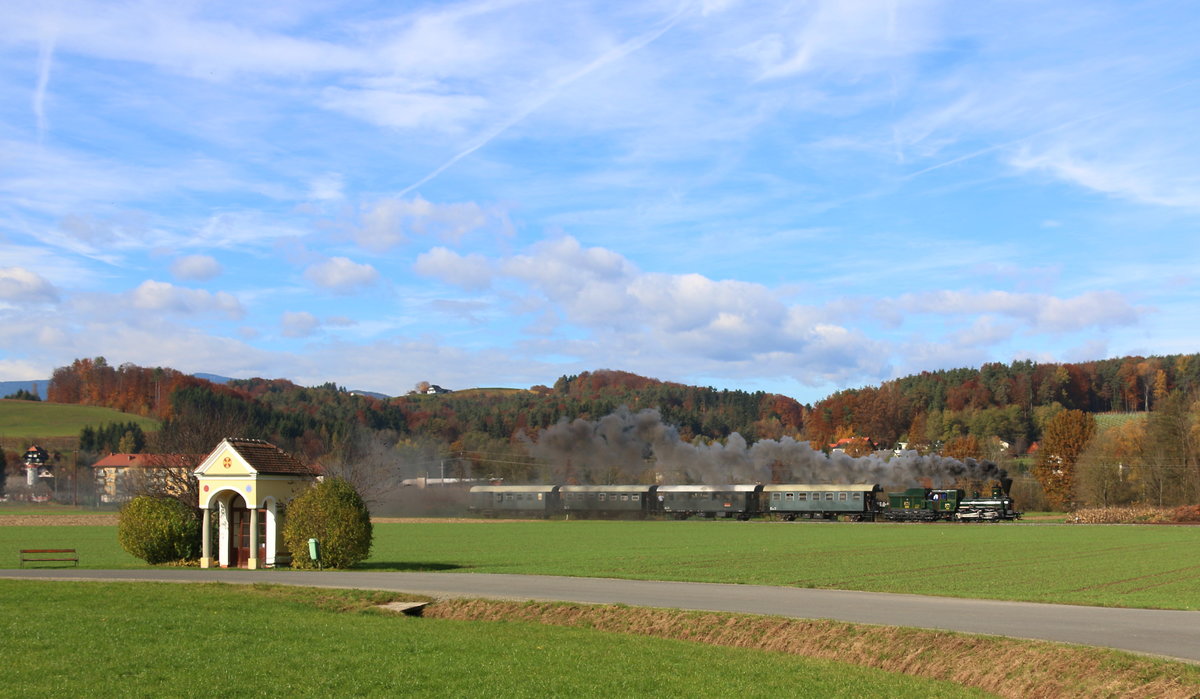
628,445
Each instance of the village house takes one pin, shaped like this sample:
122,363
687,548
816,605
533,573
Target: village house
119,477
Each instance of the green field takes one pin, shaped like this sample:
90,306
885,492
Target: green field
129,639
21,419
1105,421
1130,566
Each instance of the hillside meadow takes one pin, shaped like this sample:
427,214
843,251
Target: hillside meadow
1128,566
24,419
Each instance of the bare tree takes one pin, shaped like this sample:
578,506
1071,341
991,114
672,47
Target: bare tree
367,460
187,438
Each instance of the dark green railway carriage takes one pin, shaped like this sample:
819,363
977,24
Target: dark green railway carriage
514,500
683,501
634,501
923,504
795,500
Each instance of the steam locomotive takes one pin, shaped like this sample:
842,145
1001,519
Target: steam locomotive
788,501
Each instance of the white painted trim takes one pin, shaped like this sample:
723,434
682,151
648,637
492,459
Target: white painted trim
272,525
223,533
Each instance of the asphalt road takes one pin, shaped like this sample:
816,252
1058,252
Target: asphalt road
1172,634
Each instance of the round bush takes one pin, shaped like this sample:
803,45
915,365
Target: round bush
333,513
159,530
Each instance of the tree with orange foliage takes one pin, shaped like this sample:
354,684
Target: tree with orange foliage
917,429
1066,436
964,447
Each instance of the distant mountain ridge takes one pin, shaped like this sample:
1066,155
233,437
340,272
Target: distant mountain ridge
215,378
41,386
38,387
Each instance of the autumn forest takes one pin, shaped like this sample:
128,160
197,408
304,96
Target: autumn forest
1105,432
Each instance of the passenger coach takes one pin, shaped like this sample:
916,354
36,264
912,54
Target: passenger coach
526,500
612,501
683,501
793,500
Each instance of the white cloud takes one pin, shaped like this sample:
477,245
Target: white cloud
328,187
176,37
22,370
1041,312
1152,178
844,36
472,272
342,275
196,267
392,220
163,296
20,285
406,110
299,324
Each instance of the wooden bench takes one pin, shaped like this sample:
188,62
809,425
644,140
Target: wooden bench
48,556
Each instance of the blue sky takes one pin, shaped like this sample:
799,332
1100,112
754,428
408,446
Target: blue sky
791,197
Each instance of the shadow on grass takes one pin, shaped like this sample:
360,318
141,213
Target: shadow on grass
407,566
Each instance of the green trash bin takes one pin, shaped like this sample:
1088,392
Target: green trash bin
314,550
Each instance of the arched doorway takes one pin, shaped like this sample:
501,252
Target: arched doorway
245,543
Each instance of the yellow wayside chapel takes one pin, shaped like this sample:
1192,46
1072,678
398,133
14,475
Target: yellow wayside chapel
249,483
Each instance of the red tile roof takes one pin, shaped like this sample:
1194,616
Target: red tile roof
149,461
265,457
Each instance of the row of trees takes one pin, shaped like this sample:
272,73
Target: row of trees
1153,460
118,437
1012,401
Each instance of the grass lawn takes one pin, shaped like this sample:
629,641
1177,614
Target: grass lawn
96,545
1131,566
1127,565
127,639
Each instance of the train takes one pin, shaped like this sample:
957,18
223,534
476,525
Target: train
786,501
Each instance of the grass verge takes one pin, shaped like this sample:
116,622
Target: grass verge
148,639
1005,667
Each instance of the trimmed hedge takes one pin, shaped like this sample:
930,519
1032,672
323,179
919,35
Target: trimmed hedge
159,530
333,513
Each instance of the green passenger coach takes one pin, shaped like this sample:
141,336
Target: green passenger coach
683,501
795,500
606,500
530,500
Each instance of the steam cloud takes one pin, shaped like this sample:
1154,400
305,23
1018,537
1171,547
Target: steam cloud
629,445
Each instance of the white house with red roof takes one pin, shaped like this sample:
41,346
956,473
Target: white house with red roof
120,476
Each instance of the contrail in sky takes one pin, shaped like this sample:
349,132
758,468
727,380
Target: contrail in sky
1048,130
45,59
614,54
